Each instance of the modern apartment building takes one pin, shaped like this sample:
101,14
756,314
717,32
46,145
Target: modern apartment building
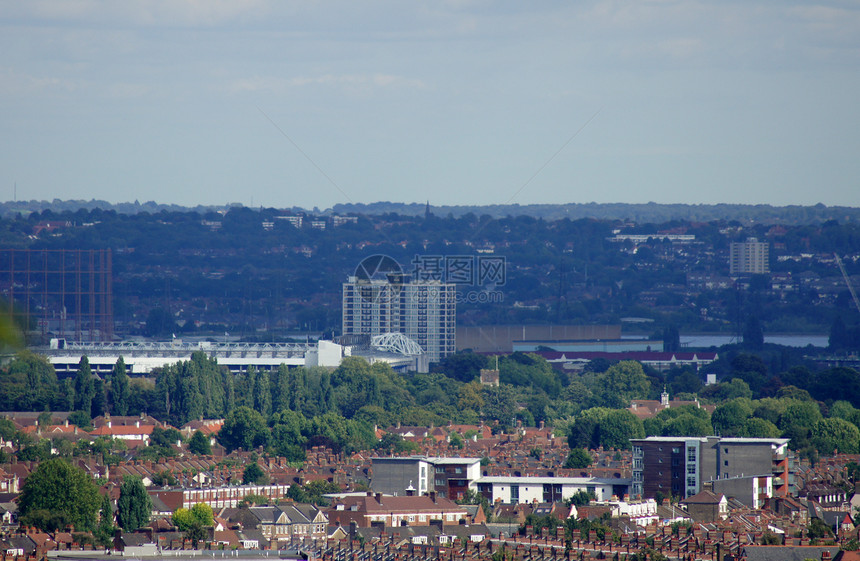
448,477
424,311
751,257
678,466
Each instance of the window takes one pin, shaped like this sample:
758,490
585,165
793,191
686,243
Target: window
726,463
676,450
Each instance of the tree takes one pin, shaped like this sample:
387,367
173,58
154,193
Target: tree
29,383
578,459
618,427
455,440
84,386
582,498
199,444
104,533
134,506
396,444
254,474
687,425
724,391
758,428
799,414
195,534
464,366
164,437
832,435
182,519
120,388
201,514
66,492
499,404
243,428
262,394
623,382
728,418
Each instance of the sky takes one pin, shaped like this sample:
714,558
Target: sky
282,103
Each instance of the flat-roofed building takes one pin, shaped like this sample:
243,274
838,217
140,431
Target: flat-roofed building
516,490
679,466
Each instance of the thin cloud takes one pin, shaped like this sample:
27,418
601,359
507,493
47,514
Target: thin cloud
348,82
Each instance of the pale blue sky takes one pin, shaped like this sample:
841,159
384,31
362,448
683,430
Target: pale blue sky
460,102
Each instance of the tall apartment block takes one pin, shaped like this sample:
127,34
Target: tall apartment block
751,257
424,311
680,466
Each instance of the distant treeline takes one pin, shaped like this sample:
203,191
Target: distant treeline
639,213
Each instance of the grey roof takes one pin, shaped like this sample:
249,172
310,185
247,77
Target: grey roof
268,514
786,552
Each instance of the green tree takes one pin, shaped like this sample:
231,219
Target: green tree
199,444
464,366
64,491
582,498
29,383
758,428
182,519
195,533
500,404
120,388
200,514
254,474
455,440
578,458
84,386
832,435
728,418
803,414
687,425
104,533
243,428
134,506
618,427
725,391
622,383
262,394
